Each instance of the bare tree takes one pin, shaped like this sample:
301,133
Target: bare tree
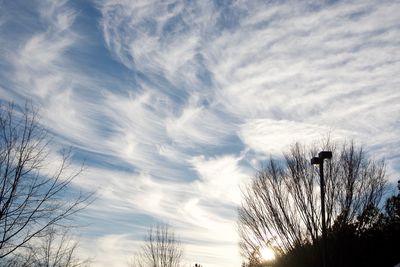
56,249
281,206
161,249
35,192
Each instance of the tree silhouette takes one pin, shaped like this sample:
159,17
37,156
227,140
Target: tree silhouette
281,206
56,249
392,207
161,249
32,185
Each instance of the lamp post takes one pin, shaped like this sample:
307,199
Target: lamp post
320,161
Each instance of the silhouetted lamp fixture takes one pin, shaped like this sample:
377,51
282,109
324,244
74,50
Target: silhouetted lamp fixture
320,161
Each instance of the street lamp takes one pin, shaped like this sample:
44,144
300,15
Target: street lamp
320,161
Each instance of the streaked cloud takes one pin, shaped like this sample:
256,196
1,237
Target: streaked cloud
174,104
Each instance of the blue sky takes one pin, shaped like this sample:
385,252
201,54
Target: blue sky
175,104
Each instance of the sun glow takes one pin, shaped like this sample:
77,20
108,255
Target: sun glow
267,254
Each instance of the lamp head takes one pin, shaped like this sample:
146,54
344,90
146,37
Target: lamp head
325,155
315,161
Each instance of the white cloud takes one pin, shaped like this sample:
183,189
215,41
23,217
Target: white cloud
113,250
194,209
272,137
210,85
198,125
220,178
38,62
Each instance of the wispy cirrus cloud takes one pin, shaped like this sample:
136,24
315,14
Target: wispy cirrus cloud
37,63
175,103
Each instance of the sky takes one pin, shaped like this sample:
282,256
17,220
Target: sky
174,105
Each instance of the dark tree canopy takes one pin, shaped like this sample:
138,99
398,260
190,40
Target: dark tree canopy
369,241
281,206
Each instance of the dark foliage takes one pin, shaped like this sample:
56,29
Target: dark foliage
281,207
372,240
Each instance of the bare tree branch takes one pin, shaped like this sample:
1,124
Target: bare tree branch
281,207
56,248
161,249
31,198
